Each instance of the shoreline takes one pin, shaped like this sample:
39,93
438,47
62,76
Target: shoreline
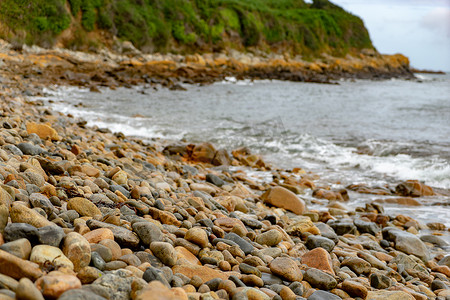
134,220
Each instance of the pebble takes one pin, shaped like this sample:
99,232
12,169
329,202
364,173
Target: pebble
197,236
320,279
26,290
269,238
43,253
164,252
20,248
286,268
55,283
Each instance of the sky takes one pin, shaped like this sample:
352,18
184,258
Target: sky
419,29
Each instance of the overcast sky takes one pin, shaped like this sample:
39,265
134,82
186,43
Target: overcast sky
420,29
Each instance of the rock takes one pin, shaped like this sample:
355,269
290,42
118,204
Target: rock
148,232
243,244
319,279
389,295
315,241
433,239
323,295
286,268
21,214
366,227
164,252
302,225
247,269
55,283
152,274
214,179
123,236
77,249
406,242
120,177
270,238
197,236
26,290
319,258
354,288
84,207
183,253
79,294
15,231
98,261
379,281
88,274
357,265
445,261
44,131
4,215
97,235
413,188
8,282
155,290
343,226
249,293
203,272
43,253
115,284
50,235
203,153
17,268
283,198
20,248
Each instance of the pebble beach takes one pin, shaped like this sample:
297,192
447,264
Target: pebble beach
90,214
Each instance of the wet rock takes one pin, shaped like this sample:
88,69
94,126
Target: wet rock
320,279
428,238
286,268
269,238
214,179
316,241
283,198
20,248
406,242
413,188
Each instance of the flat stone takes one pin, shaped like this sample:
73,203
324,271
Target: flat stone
249,293
407,242
379,281
126,238
20,248
77,249
320,279
286,268
155,290
389,295
183,253
84,207
319,258
40,200
88,274
367,227
19,213
26,290
433,239
203,272
17,268
16,231
44,131
315,241
284,198
323,295
152,274
43,253
8,282
79,294
148,232
243,244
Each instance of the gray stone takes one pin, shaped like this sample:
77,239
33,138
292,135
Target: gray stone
317,241
148,232
445,261
438,284
366,227
319,279
30,149
322,295
51,235
342,227
327,231
407,242
357,265
20,248
433,239
80,294
97,261
8,282
26,290
15,231
152,274
379,281
243,244
270,279
164,252
117,285
214,179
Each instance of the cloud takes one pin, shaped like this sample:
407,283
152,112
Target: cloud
437,19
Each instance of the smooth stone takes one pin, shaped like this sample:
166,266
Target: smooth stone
97,235
445,261
103,251
21,214
389,295
302,224
284,198
183,253
51,235
84,207
114,247
247,269
249,293
152,273
4,215
357,265
20,248
323,295
438,284
433,239
316,241
243,244
130,259
214,179
115,265
379,281
148,232
17,268
164,252
126,238
319,258
367,227
205,273
354,288
97,261
40,200
79,294
56,283
43,253
197,236
77,249
320,279
342,226
116,284
286,268
270,279
270,238
26,290
155,290
88,275
8,282
407,242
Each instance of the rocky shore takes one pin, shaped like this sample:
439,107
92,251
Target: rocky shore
88,214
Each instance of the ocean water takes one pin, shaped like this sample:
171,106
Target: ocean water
370,132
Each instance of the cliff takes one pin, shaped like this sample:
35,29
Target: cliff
186,26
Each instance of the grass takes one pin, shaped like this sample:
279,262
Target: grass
194,25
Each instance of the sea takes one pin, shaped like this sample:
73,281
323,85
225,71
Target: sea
376,133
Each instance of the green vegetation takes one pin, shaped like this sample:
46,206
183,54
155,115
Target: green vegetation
192,25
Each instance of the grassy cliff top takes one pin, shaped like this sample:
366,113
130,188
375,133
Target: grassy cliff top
186,26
